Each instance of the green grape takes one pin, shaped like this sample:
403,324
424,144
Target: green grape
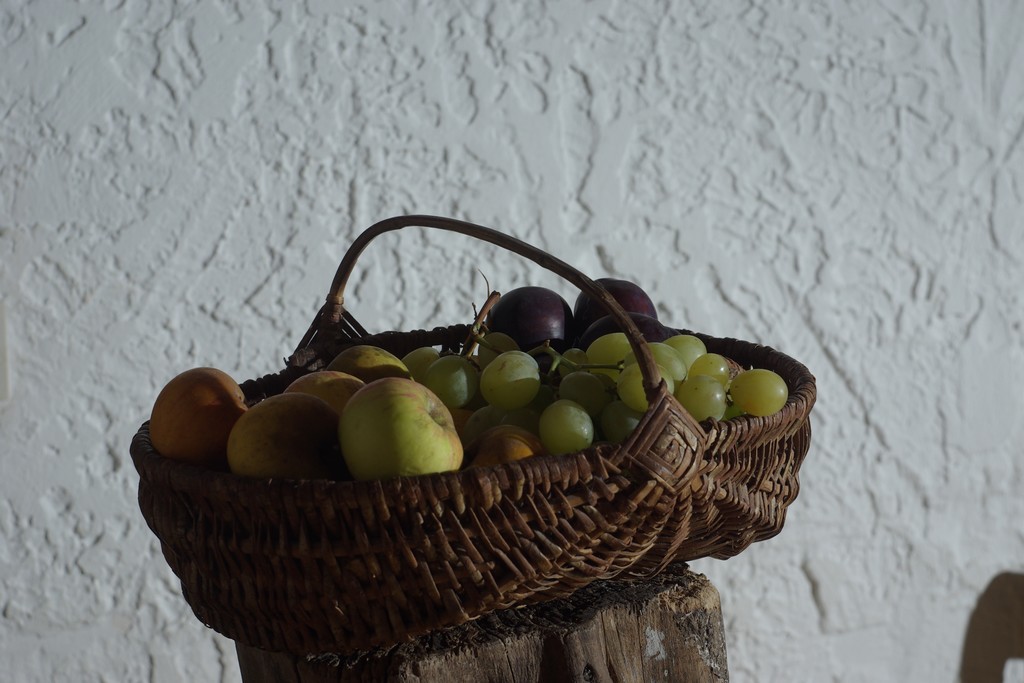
688,347
454,379
733,411
630,386
499,342
565,427
608,349
511,380
573,355
545,397
703,396
527,418
712,365
759,391
618,421
587,389
477,401
607,380
418,360
666,357
480,421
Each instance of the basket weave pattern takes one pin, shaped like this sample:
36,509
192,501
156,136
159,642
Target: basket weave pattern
321,566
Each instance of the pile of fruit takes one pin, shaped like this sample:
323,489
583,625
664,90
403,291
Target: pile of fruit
536,377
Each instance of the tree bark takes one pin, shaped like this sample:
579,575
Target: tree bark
667,628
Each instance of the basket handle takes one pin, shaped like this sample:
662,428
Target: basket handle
333,309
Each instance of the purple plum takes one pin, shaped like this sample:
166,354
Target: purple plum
531,316
630,296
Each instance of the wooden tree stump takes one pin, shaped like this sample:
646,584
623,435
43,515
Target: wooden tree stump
667,628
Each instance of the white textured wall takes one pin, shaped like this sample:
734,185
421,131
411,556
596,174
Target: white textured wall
841,180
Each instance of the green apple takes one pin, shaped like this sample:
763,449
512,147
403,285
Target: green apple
396,427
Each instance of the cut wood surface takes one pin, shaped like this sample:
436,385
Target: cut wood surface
667,629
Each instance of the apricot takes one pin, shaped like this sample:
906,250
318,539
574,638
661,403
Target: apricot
503,443
291,435
193,416
460,416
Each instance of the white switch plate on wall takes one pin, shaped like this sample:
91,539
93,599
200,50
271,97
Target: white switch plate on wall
1013,671
5,374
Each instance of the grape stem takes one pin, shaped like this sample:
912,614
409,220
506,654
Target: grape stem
558,359
475,335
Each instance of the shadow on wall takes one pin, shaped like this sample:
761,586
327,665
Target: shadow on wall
995,632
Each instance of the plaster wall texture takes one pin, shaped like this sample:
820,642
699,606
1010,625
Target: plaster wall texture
840,180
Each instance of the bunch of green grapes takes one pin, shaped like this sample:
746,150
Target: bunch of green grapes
588,395
703,383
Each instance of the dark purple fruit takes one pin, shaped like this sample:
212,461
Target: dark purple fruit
650,328
531,316
630,296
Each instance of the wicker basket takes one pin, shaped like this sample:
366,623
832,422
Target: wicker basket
321,566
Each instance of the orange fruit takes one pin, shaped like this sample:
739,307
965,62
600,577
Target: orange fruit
193,416
503,443
459,417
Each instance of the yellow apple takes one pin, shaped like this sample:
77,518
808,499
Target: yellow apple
291,435
396,427
334,387
418,360
369,363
